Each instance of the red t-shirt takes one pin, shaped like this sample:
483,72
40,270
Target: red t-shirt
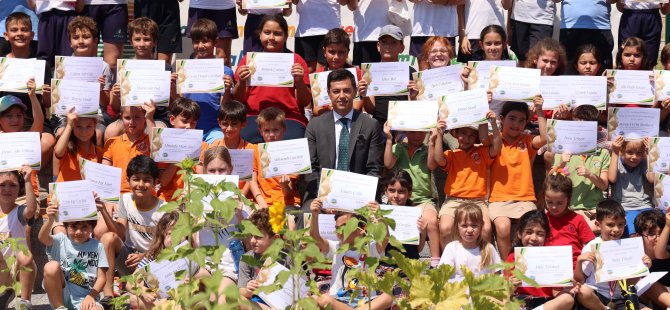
570,229
261,97
531,291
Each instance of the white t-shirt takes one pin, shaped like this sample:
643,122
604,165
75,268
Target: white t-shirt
343,264
481,13
264,11
101,2
434,20
141,224
369,19
456,255
589,271
42,6
212,4
534,11
316,17
629,5
13,225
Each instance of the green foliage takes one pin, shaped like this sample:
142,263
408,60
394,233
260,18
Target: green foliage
16,245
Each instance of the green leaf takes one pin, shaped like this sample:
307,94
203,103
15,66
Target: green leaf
249,228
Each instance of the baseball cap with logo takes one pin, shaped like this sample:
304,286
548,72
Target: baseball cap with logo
9,101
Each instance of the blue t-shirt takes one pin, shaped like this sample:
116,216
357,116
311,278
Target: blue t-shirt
585,14
10,6
209,105
79,263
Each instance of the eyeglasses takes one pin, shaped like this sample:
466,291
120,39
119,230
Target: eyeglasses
652,237
439,51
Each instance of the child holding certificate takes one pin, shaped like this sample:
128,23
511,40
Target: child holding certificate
510,200
13,222
273,31
532,231
281,188
135,222
78,263
76,141
467,171
628,177
469,248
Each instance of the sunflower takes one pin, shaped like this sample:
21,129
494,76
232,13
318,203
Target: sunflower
277,216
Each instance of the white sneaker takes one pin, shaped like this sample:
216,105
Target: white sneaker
24,305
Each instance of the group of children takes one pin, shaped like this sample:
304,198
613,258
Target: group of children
490,205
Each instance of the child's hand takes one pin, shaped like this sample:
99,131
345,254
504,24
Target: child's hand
101,80
116,90
173,79
374,206
46,91
537,104
227,82
88,303
387,131
565,158
575,287
149,109
148,298
316,206
26,172
489,96
465,46
583,172
244,74
362,88
465,74
31,86
516,282
134,259
71,117
420,224
645,142
52,209
491,116
285,182
413,91
646,261
253,285
99,203
665,104
563,112
586,257
617,144
297,72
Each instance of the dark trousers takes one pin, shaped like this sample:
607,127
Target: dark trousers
646,25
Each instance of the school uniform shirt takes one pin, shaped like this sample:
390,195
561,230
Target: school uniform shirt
141,224
629,187
42,6
69,164
344,265
589,271
316,17
79,263
546,292
467,172
456,255
369,19
585,14
540,12
212,4
570,229
432,19
13,225
585,194
511,173
120,150
481,13
417,167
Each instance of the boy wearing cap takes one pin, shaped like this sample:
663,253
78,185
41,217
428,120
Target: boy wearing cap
467,171
390,45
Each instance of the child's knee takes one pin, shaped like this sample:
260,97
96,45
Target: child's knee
52,269
24,259
108,239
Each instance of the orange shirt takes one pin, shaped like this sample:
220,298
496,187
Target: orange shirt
511,172
69,164
467,172
167,190
120,150
270,188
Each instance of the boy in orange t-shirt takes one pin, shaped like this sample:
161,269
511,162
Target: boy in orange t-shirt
120,150
280,188
512,191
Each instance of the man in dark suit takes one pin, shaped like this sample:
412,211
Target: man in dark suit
342,139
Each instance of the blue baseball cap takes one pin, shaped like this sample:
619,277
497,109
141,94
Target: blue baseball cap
8,101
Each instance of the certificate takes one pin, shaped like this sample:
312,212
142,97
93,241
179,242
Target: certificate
549,266
74,200
87,69
264,4
658,156
432,84
165,273
284,297
662,191
405,219
480,72
216,179
15,73
591,90
464,109
346,191
270,69
412,115
632,123
574,137
105,180
556,91
319,86
645,283
172,145
619,259
631,86
83,96
140,86
514,84
284,157
327,228
18,149
386,78
200,76
243,163
123,65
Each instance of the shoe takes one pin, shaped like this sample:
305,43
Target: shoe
106,303
6,297
24,305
